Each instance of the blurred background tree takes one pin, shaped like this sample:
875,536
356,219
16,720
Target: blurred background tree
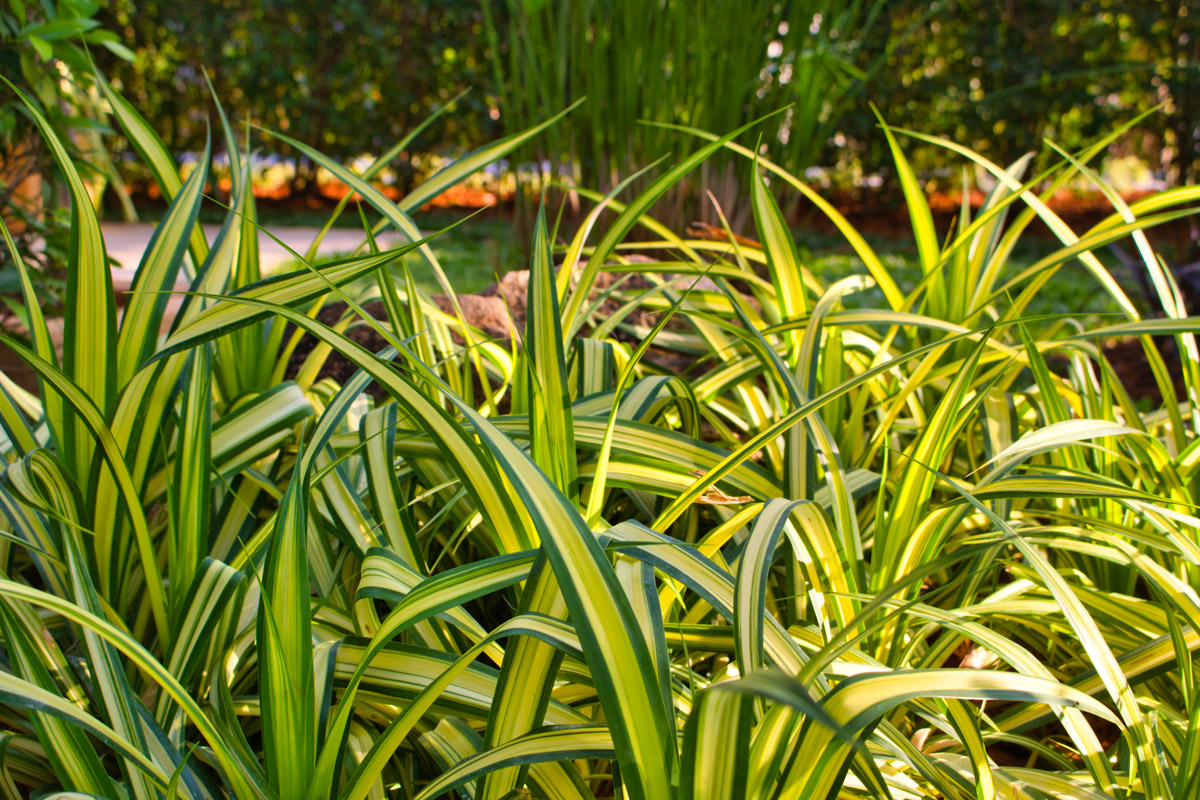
999,76
42,53
348,77
351,76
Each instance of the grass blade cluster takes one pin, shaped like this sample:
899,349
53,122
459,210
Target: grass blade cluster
869,540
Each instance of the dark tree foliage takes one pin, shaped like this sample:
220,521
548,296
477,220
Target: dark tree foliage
351,76
44,54
1000,75
345,76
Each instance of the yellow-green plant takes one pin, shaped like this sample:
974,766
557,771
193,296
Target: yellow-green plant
561,571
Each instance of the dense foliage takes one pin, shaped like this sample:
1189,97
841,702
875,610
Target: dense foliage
347,76
1001,76
42,53
924,548
668,63
996,76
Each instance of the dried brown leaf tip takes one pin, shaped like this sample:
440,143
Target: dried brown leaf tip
715,497
702,230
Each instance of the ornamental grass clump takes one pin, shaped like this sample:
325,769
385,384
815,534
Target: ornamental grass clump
928,549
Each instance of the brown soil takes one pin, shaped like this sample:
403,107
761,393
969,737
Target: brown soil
1128,360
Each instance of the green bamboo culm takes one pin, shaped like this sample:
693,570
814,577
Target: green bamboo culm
665,61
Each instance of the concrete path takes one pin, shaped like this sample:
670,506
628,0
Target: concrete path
127,241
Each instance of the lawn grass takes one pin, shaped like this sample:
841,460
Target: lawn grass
1072,291
490,245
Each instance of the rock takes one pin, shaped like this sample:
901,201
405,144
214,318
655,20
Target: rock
485,312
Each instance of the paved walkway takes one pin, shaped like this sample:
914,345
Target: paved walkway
127,241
